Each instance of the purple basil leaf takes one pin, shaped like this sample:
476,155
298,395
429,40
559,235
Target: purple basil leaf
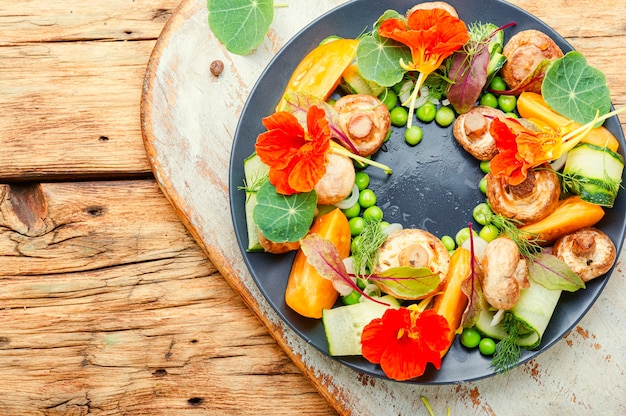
552,273
469,76
473,290
410,282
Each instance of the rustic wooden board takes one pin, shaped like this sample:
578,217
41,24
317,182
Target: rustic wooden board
188,121
88,53
109,307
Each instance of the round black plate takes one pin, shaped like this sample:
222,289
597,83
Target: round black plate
434,185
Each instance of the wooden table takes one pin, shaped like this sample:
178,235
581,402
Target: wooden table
110,301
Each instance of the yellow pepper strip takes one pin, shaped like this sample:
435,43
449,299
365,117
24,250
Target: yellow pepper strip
319,72
531,105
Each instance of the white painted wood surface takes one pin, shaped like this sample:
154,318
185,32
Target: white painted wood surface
188,121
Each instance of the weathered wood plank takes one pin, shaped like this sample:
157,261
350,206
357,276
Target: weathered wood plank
70,107
109,306
31,21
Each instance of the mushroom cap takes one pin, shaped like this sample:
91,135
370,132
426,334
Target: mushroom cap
365,120
415,248
471,130
503,273
338,181
433,5
524,51
528,202
589,252
277,248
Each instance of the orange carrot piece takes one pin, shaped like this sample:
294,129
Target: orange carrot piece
308,293
571,214
452,301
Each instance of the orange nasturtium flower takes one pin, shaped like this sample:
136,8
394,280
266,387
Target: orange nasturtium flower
404,341
297,158
432,35
520,149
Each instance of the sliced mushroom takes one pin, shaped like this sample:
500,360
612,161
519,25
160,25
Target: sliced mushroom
277,248
429,5
338,181
524,51
589,252
528,202
365,120
471,130
414,248
504,273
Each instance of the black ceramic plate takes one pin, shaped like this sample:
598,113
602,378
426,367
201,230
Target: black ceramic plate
434,185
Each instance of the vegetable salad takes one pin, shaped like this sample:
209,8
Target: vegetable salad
400,296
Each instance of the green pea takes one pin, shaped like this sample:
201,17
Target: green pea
387,136
331,101
353,211
462,235
511,115
352,298
489,100
359,164
362,180
389,98
426,112
357,224
367,198
497,84
399,116
482,185
507,103
489,232
373,213
355,242
485,166
487,346
445,116
413,135
448,242
384,224
470,338
482,213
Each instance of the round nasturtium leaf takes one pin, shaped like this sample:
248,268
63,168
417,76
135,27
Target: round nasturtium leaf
575,89
378,59
241,25
283,218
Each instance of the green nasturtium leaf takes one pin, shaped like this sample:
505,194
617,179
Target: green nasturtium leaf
378,59
241,25
283,218
575,89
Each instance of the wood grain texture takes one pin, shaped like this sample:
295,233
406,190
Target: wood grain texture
89,53
109,307
184,151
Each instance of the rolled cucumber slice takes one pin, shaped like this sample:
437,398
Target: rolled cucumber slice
344,325
254,170
534,308
598,171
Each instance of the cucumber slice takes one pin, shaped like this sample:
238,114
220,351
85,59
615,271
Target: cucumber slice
534,308
344,325
254,171
353,82
597,171
496,62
